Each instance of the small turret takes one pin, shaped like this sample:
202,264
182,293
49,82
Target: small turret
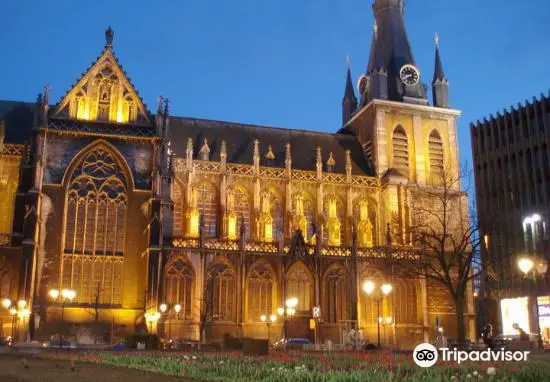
440,84
349,102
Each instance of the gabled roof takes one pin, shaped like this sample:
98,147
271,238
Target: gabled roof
239,139
106,59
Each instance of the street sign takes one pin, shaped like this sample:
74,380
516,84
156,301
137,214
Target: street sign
311,323
316,312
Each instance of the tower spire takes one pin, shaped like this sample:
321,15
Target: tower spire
440,84
349,102
390,52
109,34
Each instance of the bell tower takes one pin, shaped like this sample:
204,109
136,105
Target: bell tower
408,141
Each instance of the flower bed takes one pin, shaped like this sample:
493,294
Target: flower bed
282,367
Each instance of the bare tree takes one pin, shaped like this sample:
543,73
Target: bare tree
447,239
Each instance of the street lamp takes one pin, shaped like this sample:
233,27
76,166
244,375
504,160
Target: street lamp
369,287
152,317
66,295
13,312
269,322
291,304
6,303
164,308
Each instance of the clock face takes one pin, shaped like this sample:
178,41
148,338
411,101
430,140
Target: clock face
409,75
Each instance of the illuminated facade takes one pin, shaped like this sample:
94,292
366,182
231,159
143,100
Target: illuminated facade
132,210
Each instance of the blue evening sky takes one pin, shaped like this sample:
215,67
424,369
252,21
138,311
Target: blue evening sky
278,62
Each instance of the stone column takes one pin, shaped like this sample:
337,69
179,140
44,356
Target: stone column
425,313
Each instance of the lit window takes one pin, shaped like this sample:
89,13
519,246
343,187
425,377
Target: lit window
95,230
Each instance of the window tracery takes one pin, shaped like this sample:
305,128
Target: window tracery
334,219
299,284
436,156
400,146
178,285
336,293
260,292
208,209
95,229
239,212
221,292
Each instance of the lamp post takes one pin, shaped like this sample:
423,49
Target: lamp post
152,317
66,295
369,287
291,304
13,312
269,322
167,308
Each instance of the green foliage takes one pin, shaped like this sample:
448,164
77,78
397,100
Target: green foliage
308,367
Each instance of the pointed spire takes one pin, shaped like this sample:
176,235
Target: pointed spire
438,72
205,150
159,105
109,34
269,155
348,166
223,157
288,159
256,157
319,164
330,161
440,84
349,102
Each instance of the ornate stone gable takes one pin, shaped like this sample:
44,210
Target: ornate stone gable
104,93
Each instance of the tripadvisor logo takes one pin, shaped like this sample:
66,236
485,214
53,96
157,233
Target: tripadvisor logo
426,355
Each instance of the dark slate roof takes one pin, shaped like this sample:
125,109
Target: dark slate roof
18,117
239,139
390,48
439,74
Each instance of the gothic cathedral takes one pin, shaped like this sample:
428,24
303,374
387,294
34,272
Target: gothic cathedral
140,213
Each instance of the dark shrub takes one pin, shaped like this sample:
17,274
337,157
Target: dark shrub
231,343
151,340
253,346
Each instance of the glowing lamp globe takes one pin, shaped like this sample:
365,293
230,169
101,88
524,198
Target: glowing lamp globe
525,265
177,308
273,318
386,289
54,294
6,303
368,287
163,307
263,318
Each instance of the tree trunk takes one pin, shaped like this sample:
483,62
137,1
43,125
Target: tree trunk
460,328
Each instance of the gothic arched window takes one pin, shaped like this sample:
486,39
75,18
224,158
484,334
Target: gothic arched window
9,179
404,300
371,311
400,147
335,216
260,292
336,293
177,224
5,285
178,285
208,208
307,208
221,292
436,155
95,229
241,207
299,284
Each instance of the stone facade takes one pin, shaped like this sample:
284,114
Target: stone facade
227,221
